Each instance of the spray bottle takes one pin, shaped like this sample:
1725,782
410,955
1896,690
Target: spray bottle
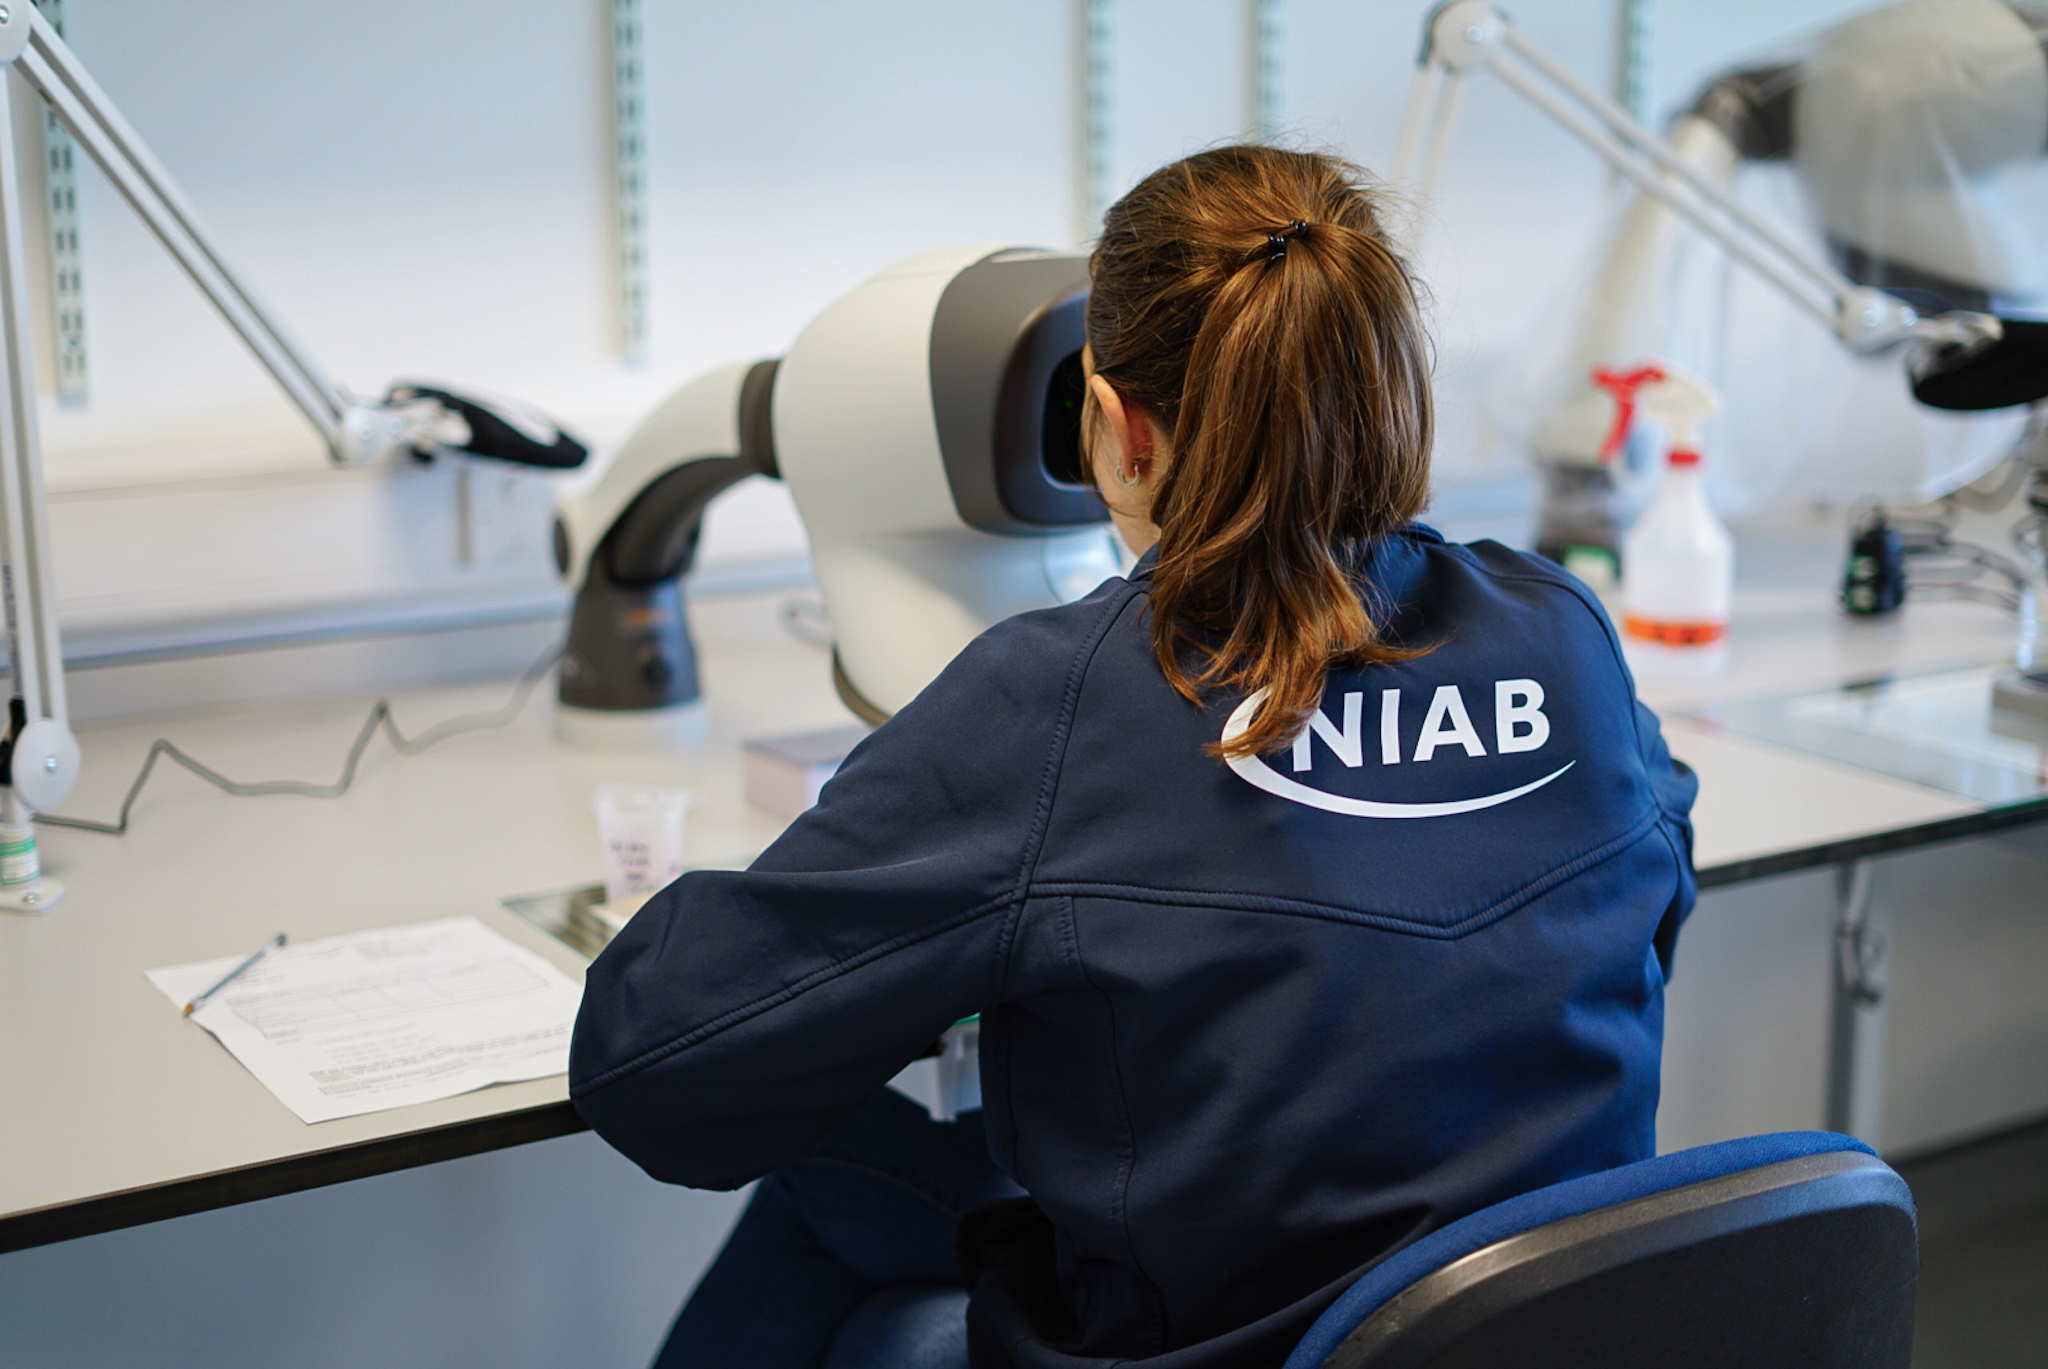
1678,561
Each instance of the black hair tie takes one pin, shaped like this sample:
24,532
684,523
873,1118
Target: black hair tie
1276,240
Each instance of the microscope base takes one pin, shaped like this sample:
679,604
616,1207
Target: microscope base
676,727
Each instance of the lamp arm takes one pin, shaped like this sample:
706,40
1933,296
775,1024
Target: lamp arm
1468,35
42,59
357,431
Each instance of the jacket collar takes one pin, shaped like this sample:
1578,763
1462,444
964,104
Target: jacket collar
1141,573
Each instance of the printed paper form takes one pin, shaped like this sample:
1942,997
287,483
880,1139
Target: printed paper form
386,1018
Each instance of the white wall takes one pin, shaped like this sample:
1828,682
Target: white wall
420,188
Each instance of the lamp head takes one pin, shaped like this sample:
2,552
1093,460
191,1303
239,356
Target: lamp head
1903,118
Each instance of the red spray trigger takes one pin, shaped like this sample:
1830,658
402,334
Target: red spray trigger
1623,386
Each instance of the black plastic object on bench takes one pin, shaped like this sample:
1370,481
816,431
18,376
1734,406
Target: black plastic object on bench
525,439
2013,369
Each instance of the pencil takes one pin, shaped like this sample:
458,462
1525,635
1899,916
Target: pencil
265,949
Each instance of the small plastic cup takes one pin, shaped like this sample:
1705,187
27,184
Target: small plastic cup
642,831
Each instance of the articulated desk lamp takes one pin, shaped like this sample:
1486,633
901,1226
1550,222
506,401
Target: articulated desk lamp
38,755
928,425
1894,124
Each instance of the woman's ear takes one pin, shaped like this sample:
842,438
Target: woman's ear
1130,434
1127,456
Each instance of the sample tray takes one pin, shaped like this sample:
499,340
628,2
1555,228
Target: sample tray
1937,730
570,915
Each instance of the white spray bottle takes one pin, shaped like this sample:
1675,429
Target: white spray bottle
1678,561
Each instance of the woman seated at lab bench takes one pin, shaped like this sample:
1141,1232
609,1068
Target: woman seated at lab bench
1316,884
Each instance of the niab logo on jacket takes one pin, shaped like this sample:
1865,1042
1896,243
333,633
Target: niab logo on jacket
1519,725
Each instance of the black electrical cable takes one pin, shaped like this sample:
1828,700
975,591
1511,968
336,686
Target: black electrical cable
379,719
1939,564
1979,594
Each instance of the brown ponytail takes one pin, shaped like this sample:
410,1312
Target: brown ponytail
1247,299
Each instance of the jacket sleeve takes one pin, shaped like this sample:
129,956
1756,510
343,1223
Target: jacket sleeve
1675,786
741,1015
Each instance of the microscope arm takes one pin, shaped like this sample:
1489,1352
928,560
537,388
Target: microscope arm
656,537
721,415
626,542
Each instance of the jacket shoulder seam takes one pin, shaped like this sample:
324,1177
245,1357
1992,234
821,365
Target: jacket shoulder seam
1389,922
1063,730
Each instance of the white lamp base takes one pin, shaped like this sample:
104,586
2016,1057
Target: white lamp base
40,897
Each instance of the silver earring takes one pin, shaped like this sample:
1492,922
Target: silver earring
1131,482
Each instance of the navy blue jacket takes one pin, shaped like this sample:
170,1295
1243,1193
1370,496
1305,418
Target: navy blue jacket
1246,1030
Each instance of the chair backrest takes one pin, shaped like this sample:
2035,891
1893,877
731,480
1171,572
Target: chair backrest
1791,1251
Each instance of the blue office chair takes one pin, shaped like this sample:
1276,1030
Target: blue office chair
1791,1251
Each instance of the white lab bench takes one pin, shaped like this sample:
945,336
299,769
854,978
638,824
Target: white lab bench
118,1112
